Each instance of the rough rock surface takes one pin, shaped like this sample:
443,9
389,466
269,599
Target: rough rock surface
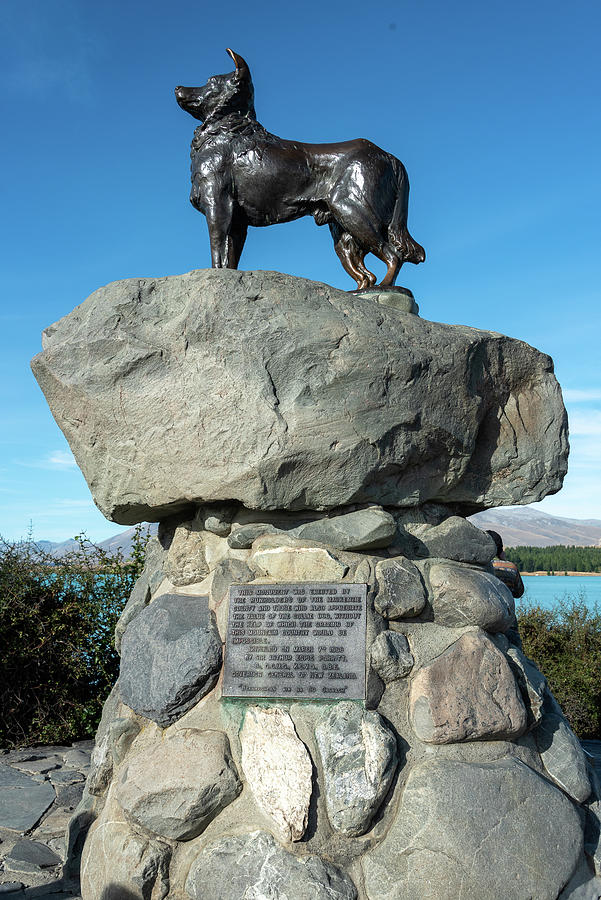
447,412
170,657
278,769
562,755
390,656
401,591
175,786
461,832
359,758
455,538
284,559
254,866
464,596
468,693
121,864
23,800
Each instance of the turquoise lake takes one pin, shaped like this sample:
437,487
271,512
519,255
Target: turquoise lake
546,589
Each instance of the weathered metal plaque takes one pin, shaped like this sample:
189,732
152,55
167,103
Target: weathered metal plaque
302,640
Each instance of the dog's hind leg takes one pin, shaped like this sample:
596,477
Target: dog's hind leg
236,241
350,255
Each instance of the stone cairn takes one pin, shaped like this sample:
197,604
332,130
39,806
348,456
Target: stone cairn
282,431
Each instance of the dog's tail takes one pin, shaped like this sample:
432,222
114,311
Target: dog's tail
398,234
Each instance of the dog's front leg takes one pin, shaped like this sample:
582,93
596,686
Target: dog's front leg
219,215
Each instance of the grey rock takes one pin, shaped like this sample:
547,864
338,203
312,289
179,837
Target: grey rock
23,800
218,519
455,539
40,766
562,755
75,833
77,759
390,656
110,750
34,852
583,885
363,529
468,693
170,657
359,758
120,864
400,589
349,402
186,560
149,580
258,868
464,596
592,830
531,681
11,887
479,831
227,572
244,537
175,786
66,777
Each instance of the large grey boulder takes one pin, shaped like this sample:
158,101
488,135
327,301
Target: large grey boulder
255,866
170,657
476,831
284,393
176,786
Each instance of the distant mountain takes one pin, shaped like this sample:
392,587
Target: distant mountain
122,541
530,527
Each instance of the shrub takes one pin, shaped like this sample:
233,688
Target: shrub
565,643
57,619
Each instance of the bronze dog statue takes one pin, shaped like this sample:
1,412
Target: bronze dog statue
242,175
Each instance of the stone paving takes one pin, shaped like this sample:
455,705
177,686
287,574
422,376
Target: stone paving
39,790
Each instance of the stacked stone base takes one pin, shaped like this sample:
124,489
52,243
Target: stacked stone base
458,777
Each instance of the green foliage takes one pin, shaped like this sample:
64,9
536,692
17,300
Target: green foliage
57,619
565,643
555,559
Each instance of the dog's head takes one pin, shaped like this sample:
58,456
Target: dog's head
221,95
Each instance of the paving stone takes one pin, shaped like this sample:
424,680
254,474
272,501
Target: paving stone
23,801
77,758
40,766
34,852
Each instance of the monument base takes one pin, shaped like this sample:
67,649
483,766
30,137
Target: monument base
453,774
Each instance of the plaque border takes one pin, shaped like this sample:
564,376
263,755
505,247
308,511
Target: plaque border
288,697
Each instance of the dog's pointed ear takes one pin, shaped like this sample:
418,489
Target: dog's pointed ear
242,70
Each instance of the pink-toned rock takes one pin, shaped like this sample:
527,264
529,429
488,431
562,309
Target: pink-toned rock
468,693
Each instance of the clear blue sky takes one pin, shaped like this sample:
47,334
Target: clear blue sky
493,107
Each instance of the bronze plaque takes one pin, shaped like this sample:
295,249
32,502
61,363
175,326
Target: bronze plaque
303,641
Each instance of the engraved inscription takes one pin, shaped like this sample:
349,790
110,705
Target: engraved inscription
301,640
